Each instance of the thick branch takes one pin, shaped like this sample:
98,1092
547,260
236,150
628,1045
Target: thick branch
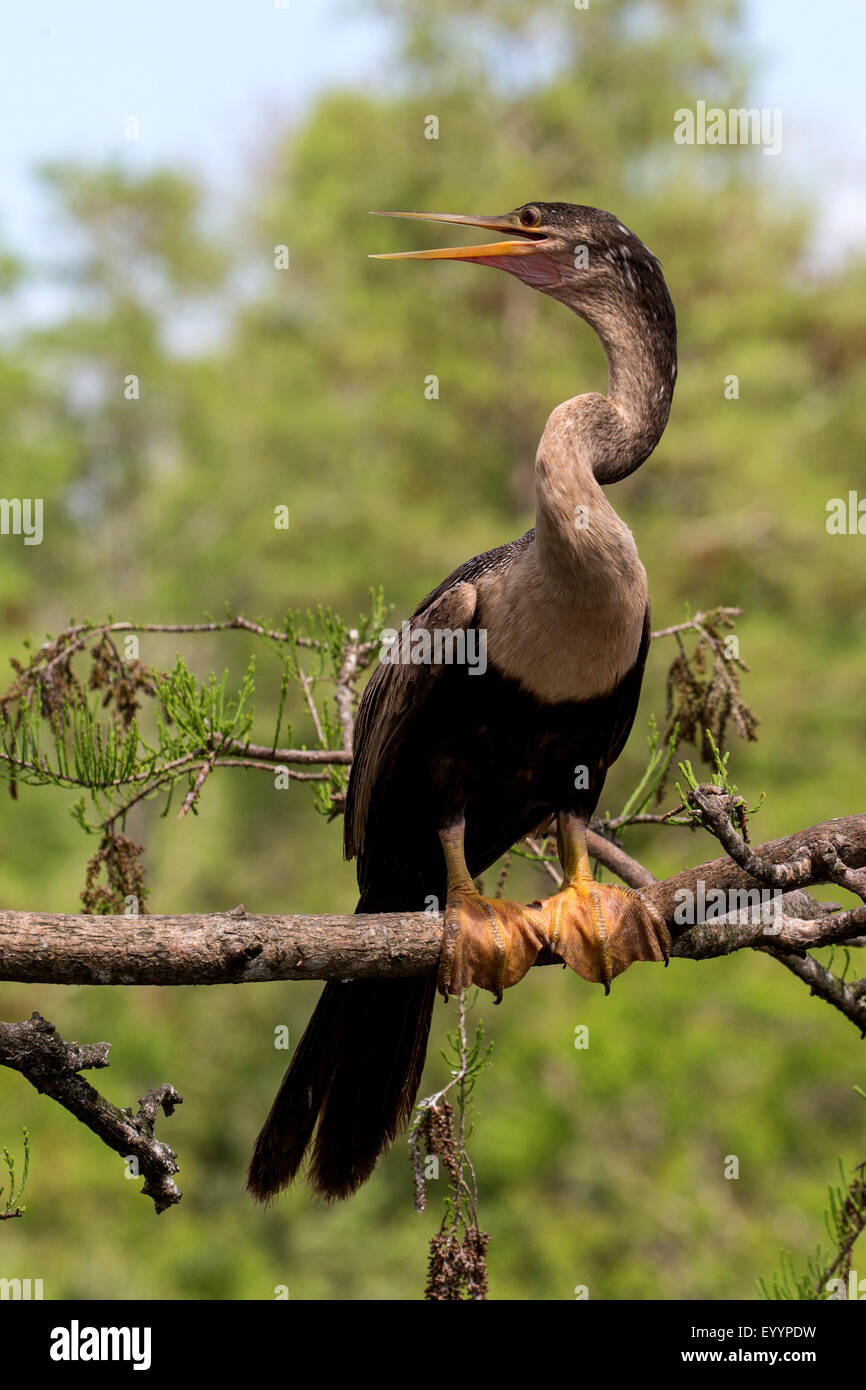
232,948
214,948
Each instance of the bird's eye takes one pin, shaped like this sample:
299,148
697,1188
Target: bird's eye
530,217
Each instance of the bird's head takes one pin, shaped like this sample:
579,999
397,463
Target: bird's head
581,255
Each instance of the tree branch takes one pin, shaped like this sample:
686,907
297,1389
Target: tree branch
52,1066
233,948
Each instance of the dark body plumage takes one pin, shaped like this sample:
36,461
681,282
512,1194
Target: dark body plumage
458,741
496,755
478,742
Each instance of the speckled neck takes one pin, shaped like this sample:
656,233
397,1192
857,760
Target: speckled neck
636,326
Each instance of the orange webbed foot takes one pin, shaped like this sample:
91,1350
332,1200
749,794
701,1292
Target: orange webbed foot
490,942
599,929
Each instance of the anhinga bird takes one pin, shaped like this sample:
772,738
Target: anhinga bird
452,767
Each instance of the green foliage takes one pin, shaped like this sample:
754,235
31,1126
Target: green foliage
54,732
11,1206
199,715
827,1274
720,778
654,774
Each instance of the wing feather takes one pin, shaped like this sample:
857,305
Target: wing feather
394,695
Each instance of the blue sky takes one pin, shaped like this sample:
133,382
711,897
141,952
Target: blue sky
209,78
206,78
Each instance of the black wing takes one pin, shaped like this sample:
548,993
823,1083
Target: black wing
396,692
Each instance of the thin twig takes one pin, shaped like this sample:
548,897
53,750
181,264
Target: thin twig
695,624
307,687
344,691
193,794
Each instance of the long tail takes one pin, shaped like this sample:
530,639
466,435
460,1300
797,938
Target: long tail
356,1071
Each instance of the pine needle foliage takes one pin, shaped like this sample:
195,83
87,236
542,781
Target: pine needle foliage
82,714
10,1207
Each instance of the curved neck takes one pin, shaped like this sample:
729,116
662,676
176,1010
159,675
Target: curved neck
592,440
637,329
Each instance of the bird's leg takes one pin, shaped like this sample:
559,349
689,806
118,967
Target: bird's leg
598,928
489,942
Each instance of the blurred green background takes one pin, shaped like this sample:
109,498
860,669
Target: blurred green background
305,387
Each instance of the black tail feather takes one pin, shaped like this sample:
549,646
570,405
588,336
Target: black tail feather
356,1070
384,1026
286,1132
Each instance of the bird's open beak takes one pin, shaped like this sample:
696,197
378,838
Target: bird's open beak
530,243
